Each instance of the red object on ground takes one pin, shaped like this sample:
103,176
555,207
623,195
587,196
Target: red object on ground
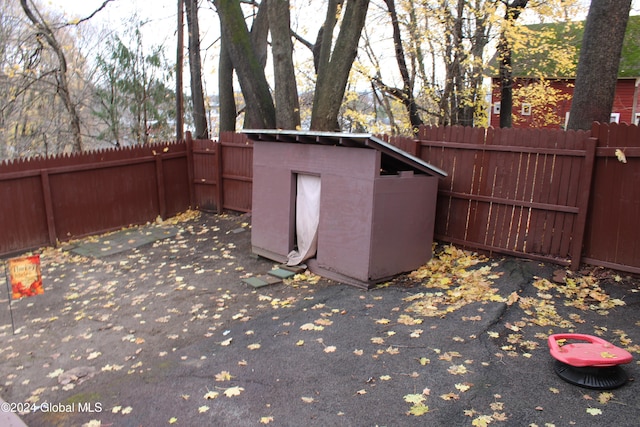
595,352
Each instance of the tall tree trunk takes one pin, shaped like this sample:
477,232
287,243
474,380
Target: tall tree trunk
460,57
407,98
506,84
227,99
253,81
258,34
454,56
334,67
286,90
480,40
62,83
512,12
179,68
195,68
597,73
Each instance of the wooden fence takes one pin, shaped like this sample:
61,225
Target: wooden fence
223,173
58,198
612,237
569,197
522,192
542,194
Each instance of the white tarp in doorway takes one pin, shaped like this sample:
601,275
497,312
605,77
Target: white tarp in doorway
307,218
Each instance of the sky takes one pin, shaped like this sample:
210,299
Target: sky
162,23
161,15
160,27
117,10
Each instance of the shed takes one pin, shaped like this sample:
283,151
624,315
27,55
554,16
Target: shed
352,207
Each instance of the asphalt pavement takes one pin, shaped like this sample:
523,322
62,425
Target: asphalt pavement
170,332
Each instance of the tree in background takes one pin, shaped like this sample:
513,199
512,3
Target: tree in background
599,61
406,94
333,58
513,9
247,64
226,94
34,120
421,62
43,31
541,99
195,69
540,53
440,49
180,72
286,90
110,104
133,98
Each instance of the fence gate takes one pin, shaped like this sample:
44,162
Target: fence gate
207,164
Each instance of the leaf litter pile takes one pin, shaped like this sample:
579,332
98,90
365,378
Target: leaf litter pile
96,321
453,283
455,278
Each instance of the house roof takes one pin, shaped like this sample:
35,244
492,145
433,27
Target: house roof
552,50
393,158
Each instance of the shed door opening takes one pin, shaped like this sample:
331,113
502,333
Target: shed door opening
307,218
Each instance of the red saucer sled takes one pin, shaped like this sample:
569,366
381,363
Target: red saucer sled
589,361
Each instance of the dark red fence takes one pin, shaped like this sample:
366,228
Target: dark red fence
59,198
522,192
223,173
612,236
543,194
569,197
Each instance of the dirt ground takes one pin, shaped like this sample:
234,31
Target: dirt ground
167,333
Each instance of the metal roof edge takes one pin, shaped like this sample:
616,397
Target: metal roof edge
306,133
366,140
408,158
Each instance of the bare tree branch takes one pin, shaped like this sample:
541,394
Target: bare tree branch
44,30
94,13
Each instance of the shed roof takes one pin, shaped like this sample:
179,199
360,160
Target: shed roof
393,158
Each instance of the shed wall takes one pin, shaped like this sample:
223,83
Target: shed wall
346,201
344,233
403,224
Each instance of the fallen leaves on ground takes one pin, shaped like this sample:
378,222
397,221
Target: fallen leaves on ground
418,408
457,279
223,376
130,316
233,391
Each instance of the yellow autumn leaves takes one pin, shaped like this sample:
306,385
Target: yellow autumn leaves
416,400
456,281
581,292
212,395
455,284
455,278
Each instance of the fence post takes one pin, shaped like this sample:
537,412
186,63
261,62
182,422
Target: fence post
584,194
190,174
219,189
162,203
48,207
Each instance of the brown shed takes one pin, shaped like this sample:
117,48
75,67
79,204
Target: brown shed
354,208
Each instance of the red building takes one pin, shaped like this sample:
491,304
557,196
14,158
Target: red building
625,104
544,76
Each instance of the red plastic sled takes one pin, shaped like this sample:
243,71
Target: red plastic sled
595,352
